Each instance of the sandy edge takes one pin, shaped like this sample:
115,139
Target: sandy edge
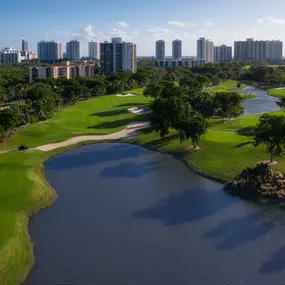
129,131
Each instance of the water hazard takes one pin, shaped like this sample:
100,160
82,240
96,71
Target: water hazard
126,215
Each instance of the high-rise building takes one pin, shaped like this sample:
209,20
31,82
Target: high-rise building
73,50
250,49
10,55
117,55
176,49
201,48
49,51
160,50
94,50
209,51
222,53
205,50
25,46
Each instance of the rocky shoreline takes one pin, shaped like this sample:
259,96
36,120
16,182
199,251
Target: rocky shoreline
260,183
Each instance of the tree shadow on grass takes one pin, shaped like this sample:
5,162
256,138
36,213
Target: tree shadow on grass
130,105
113,124
190,205
243,144
129,170
238,231
110,113
275,264
78,158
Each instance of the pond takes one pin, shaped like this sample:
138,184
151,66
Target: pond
126,215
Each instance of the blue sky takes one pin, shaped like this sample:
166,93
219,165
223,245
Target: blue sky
141,21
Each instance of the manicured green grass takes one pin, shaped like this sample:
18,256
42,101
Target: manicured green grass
243,124
228,85
221,155
23,192
280,93
231,85
103,115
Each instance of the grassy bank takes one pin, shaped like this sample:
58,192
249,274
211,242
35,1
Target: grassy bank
103,115
228,85
231,85
276,92
24,192
221,155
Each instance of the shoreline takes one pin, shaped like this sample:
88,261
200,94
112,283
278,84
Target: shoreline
51,197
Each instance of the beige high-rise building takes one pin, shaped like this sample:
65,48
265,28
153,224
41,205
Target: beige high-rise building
205,50
209,51
94,50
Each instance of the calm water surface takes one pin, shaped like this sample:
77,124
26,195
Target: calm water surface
263,103
126,216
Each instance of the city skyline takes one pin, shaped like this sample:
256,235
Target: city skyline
219,22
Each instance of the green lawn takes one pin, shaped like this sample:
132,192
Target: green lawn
102,115
23,192
221,155
241,124
280,93
228,85
231,85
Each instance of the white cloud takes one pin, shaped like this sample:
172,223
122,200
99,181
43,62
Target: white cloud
209,24
46,35
175,23
115,32
123,24
157,32
271,20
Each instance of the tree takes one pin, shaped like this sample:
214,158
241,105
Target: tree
270,132
280,77
281,103
228,104
191,125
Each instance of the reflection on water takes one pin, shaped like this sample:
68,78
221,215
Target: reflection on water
126,215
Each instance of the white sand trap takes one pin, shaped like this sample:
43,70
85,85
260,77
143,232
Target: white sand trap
130,131
127,95
140,110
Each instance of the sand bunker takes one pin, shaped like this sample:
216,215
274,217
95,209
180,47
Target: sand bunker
140,110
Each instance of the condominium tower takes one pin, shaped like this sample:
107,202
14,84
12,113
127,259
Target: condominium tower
117,55
205,49
94,50
176,49
251,49
49,51
222,53
160,50
73,50
25,46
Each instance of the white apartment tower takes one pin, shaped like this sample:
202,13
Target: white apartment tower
10,55
160,50
176,49
73,50
250,49
49,51
205,50
222,53
94,50
117,55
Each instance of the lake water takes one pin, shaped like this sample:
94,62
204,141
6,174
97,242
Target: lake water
126,216
263,103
